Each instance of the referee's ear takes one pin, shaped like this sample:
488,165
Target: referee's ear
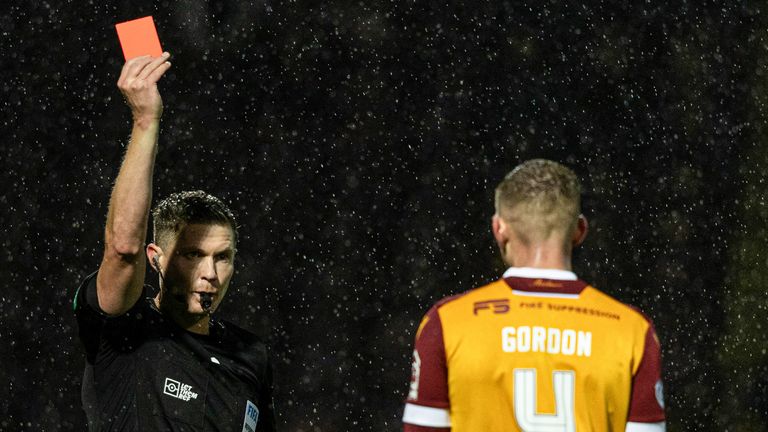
154,252
580,233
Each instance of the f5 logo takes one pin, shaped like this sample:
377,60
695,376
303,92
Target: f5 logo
496,306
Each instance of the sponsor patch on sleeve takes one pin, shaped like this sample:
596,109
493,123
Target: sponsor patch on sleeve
251,417
659,390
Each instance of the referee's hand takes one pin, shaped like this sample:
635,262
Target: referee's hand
138,83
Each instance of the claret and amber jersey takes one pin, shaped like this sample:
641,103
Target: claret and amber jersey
536,351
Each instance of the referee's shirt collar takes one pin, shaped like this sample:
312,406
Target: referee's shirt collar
539,273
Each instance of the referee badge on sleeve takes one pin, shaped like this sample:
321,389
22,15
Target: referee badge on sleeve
251,417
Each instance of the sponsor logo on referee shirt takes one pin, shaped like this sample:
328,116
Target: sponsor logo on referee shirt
179,390
251,417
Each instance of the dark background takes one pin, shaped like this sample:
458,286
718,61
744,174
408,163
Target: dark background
360,142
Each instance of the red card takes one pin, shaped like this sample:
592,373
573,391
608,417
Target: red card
139,37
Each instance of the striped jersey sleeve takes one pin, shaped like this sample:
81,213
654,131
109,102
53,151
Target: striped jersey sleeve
427,405
647,399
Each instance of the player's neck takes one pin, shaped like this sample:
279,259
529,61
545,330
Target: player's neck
544,255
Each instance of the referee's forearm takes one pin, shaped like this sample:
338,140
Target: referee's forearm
121,274
131,198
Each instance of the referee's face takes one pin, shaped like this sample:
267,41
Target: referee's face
202,262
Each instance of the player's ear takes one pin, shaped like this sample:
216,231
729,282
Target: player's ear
580,233
500,232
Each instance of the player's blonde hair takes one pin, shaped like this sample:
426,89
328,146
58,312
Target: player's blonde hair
539,198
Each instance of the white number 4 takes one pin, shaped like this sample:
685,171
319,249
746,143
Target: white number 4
525,402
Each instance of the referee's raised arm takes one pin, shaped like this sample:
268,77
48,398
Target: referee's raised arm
121,273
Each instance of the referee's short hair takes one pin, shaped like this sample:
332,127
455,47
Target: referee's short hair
538,199
180,209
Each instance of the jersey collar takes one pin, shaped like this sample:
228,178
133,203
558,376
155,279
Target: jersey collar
540,273
528,281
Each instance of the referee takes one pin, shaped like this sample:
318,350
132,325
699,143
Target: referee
164,363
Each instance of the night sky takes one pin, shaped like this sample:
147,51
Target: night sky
359,144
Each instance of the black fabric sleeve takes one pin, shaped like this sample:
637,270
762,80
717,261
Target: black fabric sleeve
90,318
266,403
86,296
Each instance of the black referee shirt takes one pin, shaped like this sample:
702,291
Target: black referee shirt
145,373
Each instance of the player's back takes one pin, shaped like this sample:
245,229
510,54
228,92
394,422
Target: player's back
533,354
